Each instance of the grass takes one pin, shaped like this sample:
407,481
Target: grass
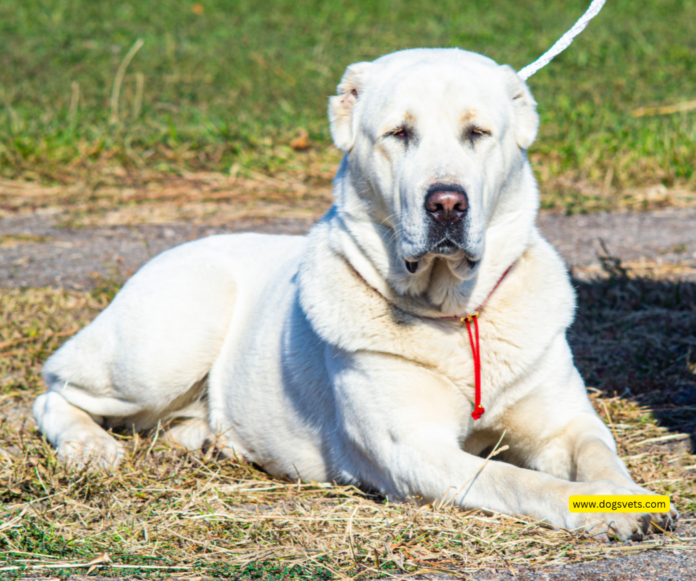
168,514
220,86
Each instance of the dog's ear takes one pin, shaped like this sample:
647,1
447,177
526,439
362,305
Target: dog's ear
526,116
342,106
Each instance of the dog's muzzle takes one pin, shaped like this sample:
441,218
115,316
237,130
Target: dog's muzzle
446,206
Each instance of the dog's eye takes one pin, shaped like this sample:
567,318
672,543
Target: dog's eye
476,133
402,133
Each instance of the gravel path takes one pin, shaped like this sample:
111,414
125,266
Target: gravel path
647,566
71,258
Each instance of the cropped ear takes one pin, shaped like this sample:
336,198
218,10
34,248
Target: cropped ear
526,116
341,106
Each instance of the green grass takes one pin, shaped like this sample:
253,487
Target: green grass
233,84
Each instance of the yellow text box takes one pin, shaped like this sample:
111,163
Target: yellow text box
619,503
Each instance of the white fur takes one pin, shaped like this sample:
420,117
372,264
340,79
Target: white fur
323,357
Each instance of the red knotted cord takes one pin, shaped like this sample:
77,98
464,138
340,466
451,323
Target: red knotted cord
476,352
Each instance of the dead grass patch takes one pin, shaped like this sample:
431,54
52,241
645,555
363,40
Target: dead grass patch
13,240
33,324
167,511
159,198
164,508
649,270
575,194
114,197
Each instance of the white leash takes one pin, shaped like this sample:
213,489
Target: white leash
564,42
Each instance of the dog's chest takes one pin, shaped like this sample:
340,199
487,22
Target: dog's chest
516,325
447,349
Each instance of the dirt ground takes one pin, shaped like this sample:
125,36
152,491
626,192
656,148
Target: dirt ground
36,251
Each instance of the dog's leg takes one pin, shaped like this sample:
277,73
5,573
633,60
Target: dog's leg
77,437
144,359
588,454
70,418
404,439
568,440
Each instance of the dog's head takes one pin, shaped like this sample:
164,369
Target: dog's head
433,138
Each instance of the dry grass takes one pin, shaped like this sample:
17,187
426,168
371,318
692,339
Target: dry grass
166,512
33,324
151,198
572,193
113,197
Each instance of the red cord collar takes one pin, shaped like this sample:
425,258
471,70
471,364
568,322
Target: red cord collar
469,321
476,350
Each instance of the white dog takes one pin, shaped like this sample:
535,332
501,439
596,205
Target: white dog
341,356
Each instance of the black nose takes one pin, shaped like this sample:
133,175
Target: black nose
446,203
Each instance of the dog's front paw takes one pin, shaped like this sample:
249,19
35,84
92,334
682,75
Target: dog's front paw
615,526
618,525
90,449
659,521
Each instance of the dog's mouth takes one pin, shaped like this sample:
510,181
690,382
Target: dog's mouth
446,248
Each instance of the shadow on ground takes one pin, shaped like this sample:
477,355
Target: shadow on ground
636,337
